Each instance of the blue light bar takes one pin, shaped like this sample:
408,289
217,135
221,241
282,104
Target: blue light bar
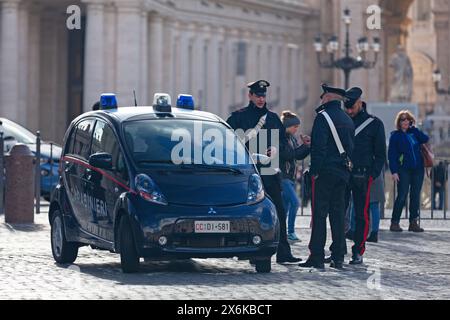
108,101
185,101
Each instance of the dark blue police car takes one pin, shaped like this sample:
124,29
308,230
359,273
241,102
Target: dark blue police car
121,191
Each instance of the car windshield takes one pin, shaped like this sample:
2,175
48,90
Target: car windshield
185,142
20,134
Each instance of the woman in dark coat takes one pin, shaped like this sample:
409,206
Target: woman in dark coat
407,168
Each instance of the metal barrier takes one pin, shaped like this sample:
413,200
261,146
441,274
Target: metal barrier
37,194
427,210
2,171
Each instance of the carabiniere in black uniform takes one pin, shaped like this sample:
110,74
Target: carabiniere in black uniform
369,157
330,175
248,118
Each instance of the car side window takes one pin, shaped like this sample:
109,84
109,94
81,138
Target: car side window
70,142
104,140
82,141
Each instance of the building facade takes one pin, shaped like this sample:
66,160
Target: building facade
49,74
211,49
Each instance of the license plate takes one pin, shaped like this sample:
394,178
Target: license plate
212,226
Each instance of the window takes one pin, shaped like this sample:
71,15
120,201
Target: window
104,140
71,141
82,142
241,59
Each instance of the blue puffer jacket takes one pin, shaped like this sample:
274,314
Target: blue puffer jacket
404,149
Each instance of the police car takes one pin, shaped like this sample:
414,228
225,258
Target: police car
120,189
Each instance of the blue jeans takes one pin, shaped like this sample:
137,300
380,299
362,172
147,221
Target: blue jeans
375,216
291,203
410,181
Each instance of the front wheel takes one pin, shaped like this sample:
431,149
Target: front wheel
64,252
263,266
129,258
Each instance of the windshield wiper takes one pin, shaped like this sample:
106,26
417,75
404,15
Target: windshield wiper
156,161
212,168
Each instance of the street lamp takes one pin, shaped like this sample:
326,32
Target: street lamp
347,63
437,78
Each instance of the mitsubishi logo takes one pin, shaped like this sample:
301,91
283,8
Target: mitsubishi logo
212,211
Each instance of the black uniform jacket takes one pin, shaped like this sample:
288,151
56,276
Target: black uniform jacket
325,157
370,145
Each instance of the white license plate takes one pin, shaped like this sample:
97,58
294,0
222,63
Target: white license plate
212,226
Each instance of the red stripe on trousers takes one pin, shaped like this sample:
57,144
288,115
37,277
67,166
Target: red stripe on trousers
366,217
313,191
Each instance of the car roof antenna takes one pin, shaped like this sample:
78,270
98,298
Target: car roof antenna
135,100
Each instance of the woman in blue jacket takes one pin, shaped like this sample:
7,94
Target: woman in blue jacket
407,168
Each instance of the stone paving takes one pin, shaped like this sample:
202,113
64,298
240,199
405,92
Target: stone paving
401,266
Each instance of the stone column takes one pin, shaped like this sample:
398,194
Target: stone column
94,62
9,59
128,50
24,63
213,74
110,48
143,95
156,36
34,67
442,27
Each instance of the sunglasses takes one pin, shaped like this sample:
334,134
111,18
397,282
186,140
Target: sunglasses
404,119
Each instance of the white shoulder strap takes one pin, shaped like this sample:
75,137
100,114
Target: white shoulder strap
363,126
254,132
337,140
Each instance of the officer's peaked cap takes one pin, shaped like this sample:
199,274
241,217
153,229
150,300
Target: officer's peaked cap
351,96
259,87
327,89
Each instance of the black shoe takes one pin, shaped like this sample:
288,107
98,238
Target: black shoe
288,259
350,235
357,259
373,237
327,260
312,264
337,265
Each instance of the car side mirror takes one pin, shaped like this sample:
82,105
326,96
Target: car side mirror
261,159
101,160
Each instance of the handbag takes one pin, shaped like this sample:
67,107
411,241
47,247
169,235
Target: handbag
427,155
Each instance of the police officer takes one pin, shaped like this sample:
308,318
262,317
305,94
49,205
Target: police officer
256,117
330,171
369,157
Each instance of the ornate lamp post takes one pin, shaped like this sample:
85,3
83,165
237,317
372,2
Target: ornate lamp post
347,63
437,78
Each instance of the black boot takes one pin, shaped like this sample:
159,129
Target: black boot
373,237
327,260
312,264
288,259
357,259
337,265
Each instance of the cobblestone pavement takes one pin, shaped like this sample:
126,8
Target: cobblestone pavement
401,266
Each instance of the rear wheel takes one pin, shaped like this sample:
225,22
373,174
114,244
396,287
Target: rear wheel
63,251
129,258
263,266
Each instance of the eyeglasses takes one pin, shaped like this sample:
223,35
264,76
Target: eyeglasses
404,119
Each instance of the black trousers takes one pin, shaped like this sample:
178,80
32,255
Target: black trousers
272,186
328,197
359,190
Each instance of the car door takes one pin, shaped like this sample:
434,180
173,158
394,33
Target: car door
107,185
75,168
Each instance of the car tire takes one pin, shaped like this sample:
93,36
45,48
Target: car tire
263,266
64,252
129,258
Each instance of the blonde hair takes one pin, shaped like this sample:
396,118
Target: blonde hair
404,113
